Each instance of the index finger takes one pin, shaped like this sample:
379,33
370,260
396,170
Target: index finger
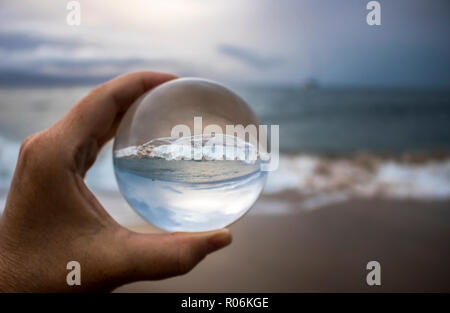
94,120
97,115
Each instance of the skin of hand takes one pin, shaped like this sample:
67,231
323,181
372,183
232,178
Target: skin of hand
52,218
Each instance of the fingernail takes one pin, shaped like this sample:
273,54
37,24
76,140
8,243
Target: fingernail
219,240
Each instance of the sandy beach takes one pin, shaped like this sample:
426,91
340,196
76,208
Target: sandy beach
326,250
315,231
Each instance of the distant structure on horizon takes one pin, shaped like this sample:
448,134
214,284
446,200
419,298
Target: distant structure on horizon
310,84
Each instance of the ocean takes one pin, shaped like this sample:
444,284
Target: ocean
335,143
345,121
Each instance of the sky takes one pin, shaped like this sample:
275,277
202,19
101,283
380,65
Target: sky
281,42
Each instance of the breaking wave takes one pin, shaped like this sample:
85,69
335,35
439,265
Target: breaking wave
363,176
318,180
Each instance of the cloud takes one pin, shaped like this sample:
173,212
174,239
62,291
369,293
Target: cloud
33,59
75,72
287,40
249,57
17,77
20,41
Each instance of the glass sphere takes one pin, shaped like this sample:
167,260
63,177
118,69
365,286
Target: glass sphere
181,159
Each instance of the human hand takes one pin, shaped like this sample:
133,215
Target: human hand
51,217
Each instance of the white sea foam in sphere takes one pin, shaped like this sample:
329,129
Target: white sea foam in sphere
196,180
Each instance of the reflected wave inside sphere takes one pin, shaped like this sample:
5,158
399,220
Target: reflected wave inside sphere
194,177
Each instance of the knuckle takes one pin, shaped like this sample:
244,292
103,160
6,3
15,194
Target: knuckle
32,148
29,146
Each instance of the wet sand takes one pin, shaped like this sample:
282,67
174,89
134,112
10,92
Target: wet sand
326,250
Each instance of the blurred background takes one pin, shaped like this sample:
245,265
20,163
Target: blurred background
364,115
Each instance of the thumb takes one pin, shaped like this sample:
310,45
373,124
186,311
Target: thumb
158,256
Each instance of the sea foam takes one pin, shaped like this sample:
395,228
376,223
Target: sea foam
216,147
